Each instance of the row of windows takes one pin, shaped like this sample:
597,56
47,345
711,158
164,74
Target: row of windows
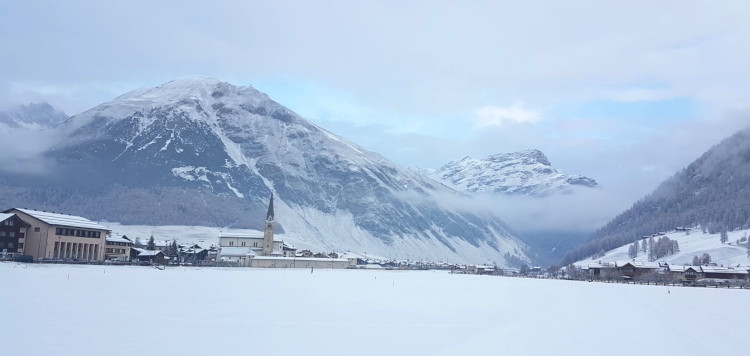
76,232
8,222
10,234
231,243
9,245
116,243
115,250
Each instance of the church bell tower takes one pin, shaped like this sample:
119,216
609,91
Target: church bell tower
268,234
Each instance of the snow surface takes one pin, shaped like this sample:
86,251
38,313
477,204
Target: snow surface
695,244
113,310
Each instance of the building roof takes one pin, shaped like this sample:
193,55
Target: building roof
675,268
5,216
247,235
144,252
122,239
638,264
269,215
724,270
61,219
237,252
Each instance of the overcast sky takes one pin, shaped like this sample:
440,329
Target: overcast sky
624,92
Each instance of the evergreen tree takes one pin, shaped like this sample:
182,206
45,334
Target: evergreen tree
696,261
724,235
705,258
151,245
138,243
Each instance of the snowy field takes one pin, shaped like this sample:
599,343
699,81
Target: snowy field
694,244
96,310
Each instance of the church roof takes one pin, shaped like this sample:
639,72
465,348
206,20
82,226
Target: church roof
269,215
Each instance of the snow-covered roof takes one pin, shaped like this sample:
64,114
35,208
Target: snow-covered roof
62,219
5,216
144,252
726,270
682,269
248,235
122,239
237,251
601,265
638,264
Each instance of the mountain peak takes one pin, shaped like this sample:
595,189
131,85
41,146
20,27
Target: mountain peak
525,172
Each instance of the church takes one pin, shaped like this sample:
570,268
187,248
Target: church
262,250
240,248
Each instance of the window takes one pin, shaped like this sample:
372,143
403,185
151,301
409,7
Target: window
20,246
2,244
2,233
37,229
10,244
243,243
58,231
11,234
231,243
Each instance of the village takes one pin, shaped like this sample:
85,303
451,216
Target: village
28,235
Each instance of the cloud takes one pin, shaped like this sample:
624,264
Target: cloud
497,116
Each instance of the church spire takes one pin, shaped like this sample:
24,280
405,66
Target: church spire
269,215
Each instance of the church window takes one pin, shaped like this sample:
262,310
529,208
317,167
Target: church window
231,243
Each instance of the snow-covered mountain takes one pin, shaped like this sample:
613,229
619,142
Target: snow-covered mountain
713,191
32,116
526,172
198,151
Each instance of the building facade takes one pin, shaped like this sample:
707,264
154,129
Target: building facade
118,249
61,236
12,235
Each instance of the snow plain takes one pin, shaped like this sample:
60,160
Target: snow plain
97,310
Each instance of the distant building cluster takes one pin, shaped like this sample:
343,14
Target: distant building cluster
660,271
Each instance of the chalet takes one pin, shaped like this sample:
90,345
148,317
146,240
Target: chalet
305,253
152,256
720,272
602,270
634,269
192,253
333,255
61,236
118,248
12,235
685,273
320,255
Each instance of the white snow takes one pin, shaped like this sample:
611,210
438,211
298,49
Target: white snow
97,310
695,244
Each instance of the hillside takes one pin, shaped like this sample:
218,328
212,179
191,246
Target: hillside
694,244
713,191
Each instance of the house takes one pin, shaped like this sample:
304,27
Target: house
720,272
289,251
192,253
633,269
61,236
320,255
685,273
12,235
305,253
333,255
602,270
152,256
118,248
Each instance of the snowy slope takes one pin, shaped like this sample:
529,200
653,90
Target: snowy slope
525,172
201,152
181,311
694,244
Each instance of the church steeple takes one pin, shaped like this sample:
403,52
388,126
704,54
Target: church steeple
268,233
269,215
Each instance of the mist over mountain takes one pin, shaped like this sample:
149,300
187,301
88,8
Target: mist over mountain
198,151
31,116
713,192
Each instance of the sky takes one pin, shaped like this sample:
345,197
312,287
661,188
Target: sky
624,92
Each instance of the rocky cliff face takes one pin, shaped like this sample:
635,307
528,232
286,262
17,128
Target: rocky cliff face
525,172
